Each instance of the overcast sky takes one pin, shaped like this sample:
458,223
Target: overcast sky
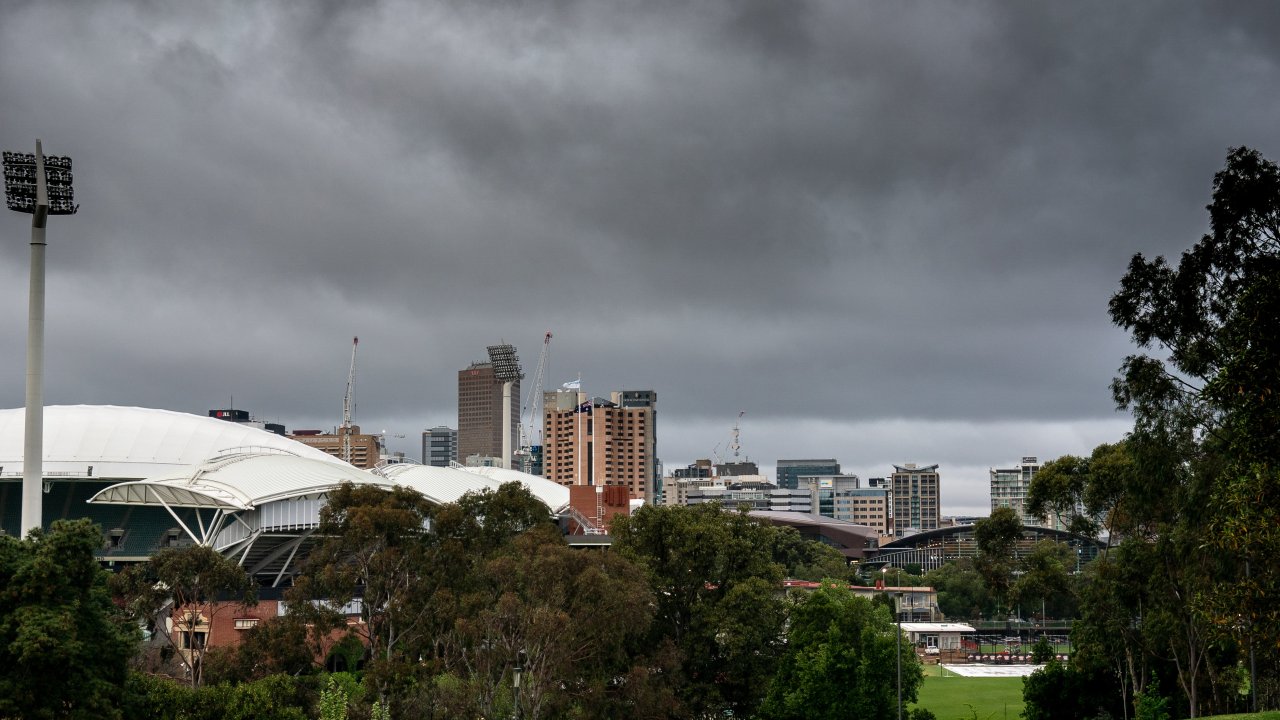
886,231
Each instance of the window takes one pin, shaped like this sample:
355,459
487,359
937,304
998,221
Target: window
246,623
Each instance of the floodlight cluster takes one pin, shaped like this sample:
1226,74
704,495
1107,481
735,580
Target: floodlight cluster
506,365
20,188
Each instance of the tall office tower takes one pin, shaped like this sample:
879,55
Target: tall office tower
915,498
1009,487
480,412
645,399
789,471
593,441
439,446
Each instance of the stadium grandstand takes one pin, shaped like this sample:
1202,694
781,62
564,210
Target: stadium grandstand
157,478
932,549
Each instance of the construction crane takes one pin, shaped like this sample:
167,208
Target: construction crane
734,445
534,404
349,403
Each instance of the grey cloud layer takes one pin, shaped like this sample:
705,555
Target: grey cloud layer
847,212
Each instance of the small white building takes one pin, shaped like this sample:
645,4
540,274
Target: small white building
941,635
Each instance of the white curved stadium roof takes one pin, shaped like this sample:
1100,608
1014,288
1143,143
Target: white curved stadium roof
237,481
245,480
446,484
133,442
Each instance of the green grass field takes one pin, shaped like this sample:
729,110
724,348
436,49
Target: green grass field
960,698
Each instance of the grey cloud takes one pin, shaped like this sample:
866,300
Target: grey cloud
853,214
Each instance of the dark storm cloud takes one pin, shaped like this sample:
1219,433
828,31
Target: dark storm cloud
898,221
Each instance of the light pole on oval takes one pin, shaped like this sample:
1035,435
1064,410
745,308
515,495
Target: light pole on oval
41,187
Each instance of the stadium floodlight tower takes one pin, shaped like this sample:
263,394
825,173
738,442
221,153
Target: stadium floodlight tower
506,367
39,186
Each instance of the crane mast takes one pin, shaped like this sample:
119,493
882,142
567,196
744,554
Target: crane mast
348,403
534,403
734,445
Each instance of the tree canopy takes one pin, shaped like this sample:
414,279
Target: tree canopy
997,539
841,660
182,587
716,586
1192,495
64,646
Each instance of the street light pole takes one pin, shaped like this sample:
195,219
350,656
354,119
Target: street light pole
42,187
515,682
1253,669
899,654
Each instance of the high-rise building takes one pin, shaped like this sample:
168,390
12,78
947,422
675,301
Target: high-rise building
842,497
695,469
790,471
645,399
916,498
480,412
593,441
1009,487
737,468
366,450
753,491
879,482
675,487
439,446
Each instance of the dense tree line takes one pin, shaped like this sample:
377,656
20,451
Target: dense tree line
1185,604
685,617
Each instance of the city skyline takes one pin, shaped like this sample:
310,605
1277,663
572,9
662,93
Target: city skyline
887,233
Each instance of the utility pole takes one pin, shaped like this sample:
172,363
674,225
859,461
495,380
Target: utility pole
41,187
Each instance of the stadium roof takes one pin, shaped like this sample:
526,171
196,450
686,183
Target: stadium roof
105,441
855,539
447,484
236,481
244,480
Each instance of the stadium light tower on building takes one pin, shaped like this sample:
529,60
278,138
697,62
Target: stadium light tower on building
40,187
506,367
